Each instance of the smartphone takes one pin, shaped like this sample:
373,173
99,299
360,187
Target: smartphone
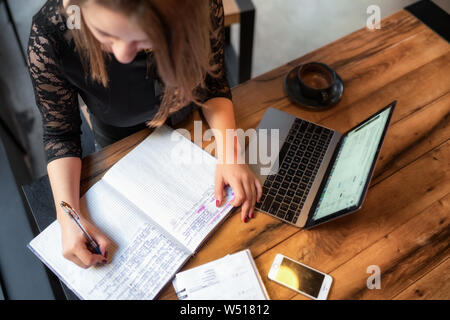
301,278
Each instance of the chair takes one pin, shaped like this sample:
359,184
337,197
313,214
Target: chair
13,25
243,12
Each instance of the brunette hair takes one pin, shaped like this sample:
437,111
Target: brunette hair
179,31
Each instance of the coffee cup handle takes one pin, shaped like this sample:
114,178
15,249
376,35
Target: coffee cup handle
324,96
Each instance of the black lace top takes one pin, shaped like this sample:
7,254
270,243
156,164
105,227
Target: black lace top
132,96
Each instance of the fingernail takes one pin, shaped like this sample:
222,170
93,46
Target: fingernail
217,203
245,219
104,261
251,215
106,254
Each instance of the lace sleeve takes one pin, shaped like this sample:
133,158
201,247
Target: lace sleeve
217,86
56,98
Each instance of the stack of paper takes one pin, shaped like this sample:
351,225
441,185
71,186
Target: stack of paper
233,277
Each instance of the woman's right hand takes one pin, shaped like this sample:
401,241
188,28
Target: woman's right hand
74,243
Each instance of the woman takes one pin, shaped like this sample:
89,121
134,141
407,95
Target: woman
134,62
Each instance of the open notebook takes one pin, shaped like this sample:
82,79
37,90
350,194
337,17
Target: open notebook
157,205
233,277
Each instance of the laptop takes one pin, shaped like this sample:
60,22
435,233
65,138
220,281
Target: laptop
320,174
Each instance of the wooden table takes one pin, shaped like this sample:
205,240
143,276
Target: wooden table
403,226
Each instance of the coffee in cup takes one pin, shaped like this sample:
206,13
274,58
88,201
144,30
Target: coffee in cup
317,81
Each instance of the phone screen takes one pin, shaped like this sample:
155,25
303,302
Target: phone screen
299,277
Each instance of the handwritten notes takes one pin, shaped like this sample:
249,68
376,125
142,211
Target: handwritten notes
156,209
142,269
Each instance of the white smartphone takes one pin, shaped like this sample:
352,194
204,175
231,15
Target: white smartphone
301,278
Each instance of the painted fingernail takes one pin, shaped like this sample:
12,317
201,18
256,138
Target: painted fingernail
217,203
245,219
106,254
251,215
104,261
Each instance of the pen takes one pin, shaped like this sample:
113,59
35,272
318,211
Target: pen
76,218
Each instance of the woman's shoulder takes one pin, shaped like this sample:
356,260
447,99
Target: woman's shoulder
49,22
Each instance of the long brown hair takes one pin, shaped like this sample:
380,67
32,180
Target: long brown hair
179,31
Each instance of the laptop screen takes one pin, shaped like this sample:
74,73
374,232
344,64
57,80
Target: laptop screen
351,170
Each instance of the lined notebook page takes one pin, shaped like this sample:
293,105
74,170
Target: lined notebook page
111,212
145,260
172,181
233,277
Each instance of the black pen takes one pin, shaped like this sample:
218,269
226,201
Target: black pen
76,218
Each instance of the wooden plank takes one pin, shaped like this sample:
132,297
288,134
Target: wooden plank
267,90
388,205
232,12
403,256
363,43
373,84
434,285
413,136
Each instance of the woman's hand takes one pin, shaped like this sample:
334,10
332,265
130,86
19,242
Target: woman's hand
74,243
246,187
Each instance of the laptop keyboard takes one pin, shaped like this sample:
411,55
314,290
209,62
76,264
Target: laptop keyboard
285,192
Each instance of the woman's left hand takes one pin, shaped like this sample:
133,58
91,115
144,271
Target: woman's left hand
246,187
